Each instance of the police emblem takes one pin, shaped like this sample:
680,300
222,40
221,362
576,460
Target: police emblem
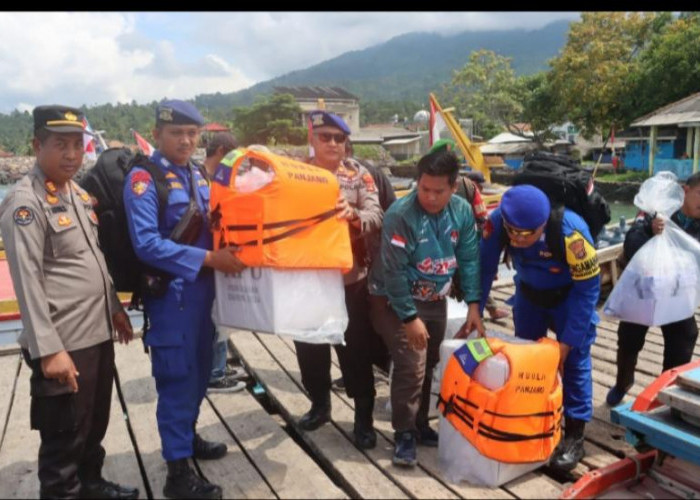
317,120
50,186
369,182
578,248
70,117
64,220
165,114
84,196
23,215
51,199
139,182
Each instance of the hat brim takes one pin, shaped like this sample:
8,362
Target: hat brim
67,129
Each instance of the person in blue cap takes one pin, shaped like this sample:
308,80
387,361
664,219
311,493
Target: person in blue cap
179,296
358,203
550,293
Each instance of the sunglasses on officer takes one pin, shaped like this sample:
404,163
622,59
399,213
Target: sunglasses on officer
327,136
519,232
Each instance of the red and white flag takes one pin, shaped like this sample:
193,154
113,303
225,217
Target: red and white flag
308,135
89,141
144,146
437,124
398,241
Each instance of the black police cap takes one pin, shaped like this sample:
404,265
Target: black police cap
59,119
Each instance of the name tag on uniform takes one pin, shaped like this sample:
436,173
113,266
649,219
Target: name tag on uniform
58,209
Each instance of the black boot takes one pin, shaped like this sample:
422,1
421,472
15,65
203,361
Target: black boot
624,380
183,482
365,437
207,450
570,450
319,414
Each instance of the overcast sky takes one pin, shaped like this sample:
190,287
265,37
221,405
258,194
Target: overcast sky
92,58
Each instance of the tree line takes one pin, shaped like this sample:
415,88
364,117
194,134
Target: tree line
615,67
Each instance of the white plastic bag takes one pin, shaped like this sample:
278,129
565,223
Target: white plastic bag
661,284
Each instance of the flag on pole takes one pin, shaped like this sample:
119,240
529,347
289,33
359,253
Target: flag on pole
437,124
144,146
308,135
89,141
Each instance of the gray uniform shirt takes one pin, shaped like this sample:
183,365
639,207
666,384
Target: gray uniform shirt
358,186
65,294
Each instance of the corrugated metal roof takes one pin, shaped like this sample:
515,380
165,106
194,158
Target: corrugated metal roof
687,110
309,92
394,142
506,137
508,148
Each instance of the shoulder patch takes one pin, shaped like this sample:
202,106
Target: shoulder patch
51,199
140,181
398,241
23,215
581,257
369,182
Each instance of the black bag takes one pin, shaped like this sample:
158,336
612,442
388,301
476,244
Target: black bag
105,181
567,185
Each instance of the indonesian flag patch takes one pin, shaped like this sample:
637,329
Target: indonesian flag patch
454,236
398,241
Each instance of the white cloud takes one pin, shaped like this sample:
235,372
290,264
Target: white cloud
93,58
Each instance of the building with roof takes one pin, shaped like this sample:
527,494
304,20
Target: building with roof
400,142
667,139
332,99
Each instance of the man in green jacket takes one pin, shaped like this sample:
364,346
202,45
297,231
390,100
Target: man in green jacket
427,235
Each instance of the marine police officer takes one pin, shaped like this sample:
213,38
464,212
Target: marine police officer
550,292
69,309
178,303
359,205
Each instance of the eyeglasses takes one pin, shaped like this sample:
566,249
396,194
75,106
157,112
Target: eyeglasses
327,136
518,232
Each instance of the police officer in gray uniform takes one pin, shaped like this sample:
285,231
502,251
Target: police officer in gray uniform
69,309
359,205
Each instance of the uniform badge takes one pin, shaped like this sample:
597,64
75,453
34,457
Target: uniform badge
50,187
165,114
581,257
488,229
139,182
84,196
398,241
64,220
545,254
93,217
317,120
70,117
23,215
202,182
175,185
170,175
369,182
51,199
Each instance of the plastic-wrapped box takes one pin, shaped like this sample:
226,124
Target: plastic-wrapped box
304,304
459,460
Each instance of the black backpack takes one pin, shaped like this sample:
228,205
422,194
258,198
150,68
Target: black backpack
105,181
567,185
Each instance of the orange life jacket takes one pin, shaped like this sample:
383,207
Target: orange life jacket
519,422
288,223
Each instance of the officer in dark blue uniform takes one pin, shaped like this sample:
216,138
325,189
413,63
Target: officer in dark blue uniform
179,305
550,293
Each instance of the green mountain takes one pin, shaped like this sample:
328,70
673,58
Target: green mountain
410,66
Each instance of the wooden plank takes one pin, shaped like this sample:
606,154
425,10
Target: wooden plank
234,473
414,479
138,388
338,456
690,379
20,449
9,368
534,485
684,401
283,464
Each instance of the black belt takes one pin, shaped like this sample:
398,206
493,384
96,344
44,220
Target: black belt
547,299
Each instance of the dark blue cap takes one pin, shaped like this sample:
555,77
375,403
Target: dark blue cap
176,112
320,118
525,207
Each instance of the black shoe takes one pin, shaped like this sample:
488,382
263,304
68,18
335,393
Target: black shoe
102,488
615,396
405,449
338,383
570,451
427,436
363,431
207,450
315,417
183,482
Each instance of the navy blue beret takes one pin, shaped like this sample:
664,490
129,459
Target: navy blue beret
320,118
525,207
176,112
